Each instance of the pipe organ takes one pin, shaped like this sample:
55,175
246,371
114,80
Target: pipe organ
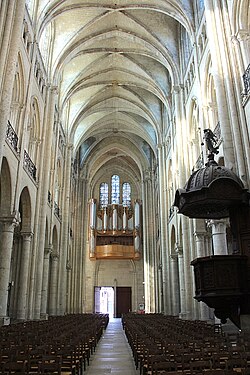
115,231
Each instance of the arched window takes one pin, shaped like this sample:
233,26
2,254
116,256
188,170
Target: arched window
126,194
104,194
115,189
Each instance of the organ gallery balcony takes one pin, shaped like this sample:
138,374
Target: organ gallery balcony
114,231
118,245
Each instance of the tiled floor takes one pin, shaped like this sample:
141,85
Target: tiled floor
113,354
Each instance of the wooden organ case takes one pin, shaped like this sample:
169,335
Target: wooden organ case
115,231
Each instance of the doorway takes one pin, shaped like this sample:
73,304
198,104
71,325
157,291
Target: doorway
104,300
113,301
123,300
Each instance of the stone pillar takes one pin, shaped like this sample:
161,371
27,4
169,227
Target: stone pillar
164,294
236,41
181,134
92,226
92,243
188,276
44,297
175,284
11,40
65,231
219,234
137,231
149,242
53,284
227,111
40,220
24,276
137,243
200,238
7,230
181,282
69,289
200,243
243,37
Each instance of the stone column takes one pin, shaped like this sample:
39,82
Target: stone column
44,297
181,281
200,238
65,231
181,134
175,284
149,242
24,276
219,234
243,36
227,111
188,277
137,229
7,230
236,41
164,263
11,41
200,243
92,243
69,289
92,226
53,284
40,221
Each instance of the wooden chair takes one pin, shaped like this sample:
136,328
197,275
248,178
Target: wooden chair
50,364
158,368
219,360
198,366
235,364
14,368
150,360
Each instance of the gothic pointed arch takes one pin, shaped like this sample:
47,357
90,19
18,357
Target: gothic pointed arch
25,211
34,130
5,189
17,100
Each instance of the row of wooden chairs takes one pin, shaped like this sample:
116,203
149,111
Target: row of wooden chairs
156,351
59,345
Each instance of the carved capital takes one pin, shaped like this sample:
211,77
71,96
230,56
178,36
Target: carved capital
55,255
27,236
177,89
48,250
10,221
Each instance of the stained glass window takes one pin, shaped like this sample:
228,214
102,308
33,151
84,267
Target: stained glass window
126,194
115,189
104,194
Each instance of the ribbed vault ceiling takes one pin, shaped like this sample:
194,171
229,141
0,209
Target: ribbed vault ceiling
115,63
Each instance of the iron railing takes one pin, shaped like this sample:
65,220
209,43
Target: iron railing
11,137
246,81
29,165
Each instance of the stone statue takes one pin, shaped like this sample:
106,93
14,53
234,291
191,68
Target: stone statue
210,140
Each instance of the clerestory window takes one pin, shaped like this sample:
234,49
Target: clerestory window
116,193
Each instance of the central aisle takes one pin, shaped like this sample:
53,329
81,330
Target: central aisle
113,354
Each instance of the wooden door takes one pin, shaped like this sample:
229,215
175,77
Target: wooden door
123,300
